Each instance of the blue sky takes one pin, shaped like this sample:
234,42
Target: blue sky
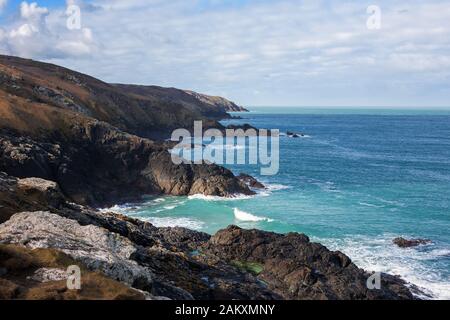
256,52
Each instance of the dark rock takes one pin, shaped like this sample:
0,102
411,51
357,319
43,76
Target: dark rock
98,165
165,252
405,243
250,181
296,268
294,135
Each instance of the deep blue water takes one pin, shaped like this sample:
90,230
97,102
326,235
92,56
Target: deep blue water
358,180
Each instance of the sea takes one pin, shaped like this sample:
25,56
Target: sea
355,180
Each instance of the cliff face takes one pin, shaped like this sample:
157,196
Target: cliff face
66,127
96,164
219,102
150,112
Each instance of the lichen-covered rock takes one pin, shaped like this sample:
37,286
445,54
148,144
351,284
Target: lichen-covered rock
49,274
95,247
41,274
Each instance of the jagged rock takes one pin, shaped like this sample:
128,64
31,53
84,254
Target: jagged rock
27,194
187,179
250,181
183,239
99,166
296,268
405,243
95,247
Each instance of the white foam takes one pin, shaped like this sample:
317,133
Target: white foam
169,206
165,222
245,216
216,198
120,209
365,204
379,254
276,187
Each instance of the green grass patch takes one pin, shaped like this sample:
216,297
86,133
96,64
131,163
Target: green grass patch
251,267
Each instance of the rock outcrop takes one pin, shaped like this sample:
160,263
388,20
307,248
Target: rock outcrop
296,268
96,164
409,243
251,181
96,248
175,263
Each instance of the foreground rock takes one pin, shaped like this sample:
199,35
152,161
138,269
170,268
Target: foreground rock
296,268
177,263
405,243
41,275
97,248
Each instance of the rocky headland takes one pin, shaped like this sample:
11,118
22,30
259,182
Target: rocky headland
70,143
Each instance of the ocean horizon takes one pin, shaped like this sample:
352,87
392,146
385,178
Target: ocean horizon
353,182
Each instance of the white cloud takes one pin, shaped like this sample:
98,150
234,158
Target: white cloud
32,11
3,4
25,30
290,51
42,34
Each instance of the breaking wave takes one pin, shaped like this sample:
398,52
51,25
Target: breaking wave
245,216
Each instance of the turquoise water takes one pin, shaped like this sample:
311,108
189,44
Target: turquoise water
357,180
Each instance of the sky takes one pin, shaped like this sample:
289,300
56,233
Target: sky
255,52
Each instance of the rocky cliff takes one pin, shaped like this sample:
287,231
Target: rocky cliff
147,111
82,135
69,142
124,258
219,102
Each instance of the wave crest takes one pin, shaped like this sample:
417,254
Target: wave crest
245,216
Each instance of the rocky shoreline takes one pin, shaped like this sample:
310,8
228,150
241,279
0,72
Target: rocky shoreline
69,143
141,261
